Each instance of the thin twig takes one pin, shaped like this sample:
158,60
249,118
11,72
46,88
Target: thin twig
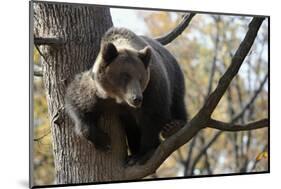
257,160
41,54
41,137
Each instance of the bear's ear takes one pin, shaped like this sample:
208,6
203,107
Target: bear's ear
109,52
145,55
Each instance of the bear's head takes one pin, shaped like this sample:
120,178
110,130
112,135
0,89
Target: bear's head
122,74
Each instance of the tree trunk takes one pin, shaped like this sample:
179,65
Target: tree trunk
80,28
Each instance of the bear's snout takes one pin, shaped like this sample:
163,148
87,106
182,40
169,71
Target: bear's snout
136,100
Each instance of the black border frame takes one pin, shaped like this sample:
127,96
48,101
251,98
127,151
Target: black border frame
31,40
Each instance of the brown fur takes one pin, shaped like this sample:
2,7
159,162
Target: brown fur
140,81
124,76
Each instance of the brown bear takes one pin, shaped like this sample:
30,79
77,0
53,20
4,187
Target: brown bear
137,78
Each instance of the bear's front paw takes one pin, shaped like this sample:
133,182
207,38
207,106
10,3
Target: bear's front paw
171,128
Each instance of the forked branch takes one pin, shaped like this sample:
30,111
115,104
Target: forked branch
203,118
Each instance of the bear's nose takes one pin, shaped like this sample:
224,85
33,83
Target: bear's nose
137,100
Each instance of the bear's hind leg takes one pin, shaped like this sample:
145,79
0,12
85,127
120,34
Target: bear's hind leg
132,133
149,141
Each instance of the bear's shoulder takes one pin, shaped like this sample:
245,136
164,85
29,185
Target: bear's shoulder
81,92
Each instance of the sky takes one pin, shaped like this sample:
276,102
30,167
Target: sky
129,18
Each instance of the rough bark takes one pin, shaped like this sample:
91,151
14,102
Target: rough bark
81,28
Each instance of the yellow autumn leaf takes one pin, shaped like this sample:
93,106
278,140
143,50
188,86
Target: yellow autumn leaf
262,155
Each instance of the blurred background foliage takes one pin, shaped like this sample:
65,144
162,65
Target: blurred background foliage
204,51
43,163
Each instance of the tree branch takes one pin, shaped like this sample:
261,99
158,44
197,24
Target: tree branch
201,119
236,118
162,152
51,41
215,124
164,40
